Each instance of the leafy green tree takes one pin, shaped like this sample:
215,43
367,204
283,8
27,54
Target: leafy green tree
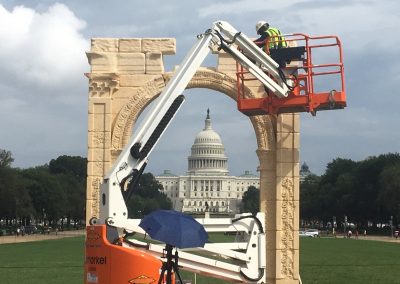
71,165
389,195
71,172
48,196
15,201
364,191
147,197
5,158
8,202
309,194
251,200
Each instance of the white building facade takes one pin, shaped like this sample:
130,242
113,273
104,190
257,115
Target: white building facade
207,185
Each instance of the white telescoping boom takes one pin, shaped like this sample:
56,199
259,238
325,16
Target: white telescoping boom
133,158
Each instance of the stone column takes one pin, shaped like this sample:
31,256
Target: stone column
118,69
279,199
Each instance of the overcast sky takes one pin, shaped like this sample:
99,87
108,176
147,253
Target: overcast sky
43,92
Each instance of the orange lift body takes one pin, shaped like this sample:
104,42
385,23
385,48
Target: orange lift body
107,263
303,71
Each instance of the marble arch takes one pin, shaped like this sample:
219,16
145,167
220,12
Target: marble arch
128,73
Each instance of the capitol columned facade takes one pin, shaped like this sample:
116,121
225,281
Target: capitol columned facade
207,185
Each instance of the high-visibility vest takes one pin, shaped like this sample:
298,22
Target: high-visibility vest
275,40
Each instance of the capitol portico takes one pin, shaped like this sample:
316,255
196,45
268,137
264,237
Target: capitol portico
207,184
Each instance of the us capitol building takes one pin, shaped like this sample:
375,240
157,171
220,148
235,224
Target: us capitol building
207,185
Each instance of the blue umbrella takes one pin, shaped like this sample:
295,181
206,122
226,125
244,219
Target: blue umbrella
174,228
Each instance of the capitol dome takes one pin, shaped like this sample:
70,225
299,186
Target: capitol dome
208,153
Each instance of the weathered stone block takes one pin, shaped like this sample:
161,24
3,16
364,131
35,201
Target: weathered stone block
286,218
287,155
270,245
131,59
226,68
124,93
103,68
92,208
99,106
287,140
102,61
104,44
164,45
99,139
137,80
288,123
132,69
284,266
266,156
101,58
118,104
99,122
285,239
285,169
98,155
97,168
133,45
226,59
93,187
154,63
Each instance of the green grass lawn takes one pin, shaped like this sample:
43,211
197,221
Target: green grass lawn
324,260
321,261
45,262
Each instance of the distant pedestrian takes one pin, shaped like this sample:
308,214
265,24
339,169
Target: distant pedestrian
365,232
396,234
356,234
349,233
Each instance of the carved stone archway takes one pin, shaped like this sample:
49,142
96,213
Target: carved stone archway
127,74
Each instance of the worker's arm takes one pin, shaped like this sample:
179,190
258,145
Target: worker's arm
261,40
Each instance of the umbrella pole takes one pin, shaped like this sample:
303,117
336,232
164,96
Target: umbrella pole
167,266
170,265
176,267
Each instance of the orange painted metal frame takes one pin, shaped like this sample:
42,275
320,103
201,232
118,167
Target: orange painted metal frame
303,98
107,263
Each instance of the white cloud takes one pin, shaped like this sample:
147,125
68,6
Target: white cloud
364,23
43,49
242,6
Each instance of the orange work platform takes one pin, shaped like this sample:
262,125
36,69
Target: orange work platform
313,66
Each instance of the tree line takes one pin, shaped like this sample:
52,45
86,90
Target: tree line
365,193
44,194
56,192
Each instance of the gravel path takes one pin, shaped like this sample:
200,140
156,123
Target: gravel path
40,237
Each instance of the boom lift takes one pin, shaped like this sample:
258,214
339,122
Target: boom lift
110,256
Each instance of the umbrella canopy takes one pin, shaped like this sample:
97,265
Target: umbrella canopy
174,228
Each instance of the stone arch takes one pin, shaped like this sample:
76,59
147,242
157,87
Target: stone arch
127,74
204,78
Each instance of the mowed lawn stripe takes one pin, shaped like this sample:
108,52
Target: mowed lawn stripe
324,260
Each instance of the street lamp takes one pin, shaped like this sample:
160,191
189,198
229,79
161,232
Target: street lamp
391,226
333,224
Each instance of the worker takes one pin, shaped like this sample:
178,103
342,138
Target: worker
272,42
265,31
